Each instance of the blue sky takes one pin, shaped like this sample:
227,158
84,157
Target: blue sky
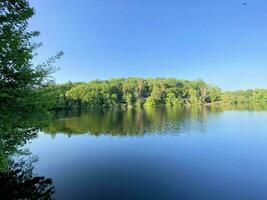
219,41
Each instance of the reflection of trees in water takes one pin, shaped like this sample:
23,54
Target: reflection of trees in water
18,182
247,107
16,129
139,121
130,122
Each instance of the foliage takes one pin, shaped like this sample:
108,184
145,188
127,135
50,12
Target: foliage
19,78
140,92
257,96
24,95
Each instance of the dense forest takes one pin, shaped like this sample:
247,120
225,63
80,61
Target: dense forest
140,92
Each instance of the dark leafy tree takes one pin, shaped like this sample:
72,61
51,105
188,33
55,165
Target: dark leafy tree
19,77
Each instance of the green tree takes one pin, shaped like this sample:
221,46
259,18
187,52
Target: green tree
156,94
150,92
214,94
23,98
19,78
150,102
193,98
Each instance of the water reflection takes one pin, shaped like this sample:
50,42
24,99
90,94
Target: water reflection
16,129
17,180
105,159
130,122
138,121
217,156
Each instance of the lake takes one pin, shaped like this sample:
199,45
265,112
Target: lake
165,153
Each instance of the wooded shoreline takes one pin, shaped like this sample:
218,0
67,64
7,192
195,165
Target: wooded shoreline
140,92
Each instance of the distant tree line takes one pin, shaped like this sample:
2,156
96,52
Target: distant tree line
140,92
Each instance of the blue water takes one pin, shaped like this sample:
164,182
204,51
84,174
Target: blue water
174,155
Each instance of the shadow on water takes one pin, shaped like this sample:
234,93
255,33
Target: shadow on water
17,180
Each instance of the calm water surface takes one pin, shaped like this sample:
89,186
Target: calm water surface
183,153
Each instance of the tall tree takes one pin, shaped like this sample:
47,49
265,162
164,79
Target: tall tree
22,98
19,77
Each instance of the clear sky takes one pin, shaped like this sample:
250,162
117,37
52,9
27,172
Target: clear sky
220,41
